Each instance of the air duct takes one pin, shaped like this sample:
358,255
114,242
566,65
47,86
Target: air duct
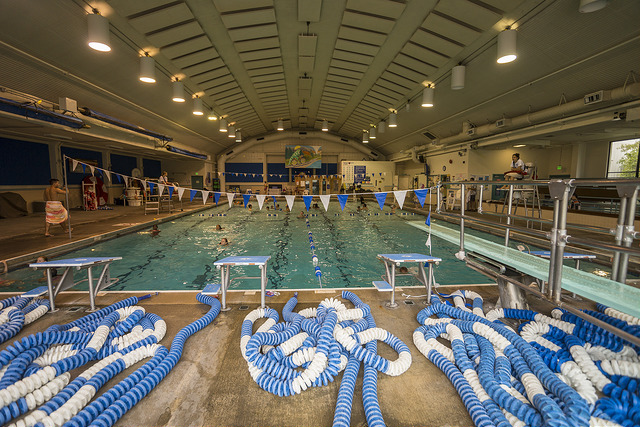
620,94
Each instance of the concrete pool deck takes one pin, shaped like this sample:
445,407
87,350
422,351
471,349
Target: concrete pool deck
211,385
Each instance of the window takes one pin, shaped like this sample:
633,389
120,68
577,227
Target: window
623,159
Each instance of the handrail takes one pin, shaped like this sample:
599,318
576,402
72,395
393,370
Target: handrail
602,245
595,228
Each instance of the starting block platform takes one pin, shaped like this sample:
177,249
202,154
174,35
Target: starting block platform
225,264
67,281
391,261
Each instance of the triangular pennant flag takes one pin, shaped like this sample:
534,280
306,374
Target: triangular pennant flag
307,201
107,174
144,183
230,197
192,194
74,165
274,201
400,195
245,198
428,243
171,190
216,197
421,195
151,187
428,221
325,201
290,199
84,168
92,169
180,191
381,197
260,198
119,177
205,196
160,189
342,198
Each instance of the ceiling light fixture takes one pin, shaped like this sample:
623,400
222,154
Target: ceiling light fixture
519,145
197,106
98,32
507,46
238,136
427,96
457,77
372,132
178,91
325,126
365,137
232,132
381,126
223,125
280,125
212,117
587,6
147,69
392,120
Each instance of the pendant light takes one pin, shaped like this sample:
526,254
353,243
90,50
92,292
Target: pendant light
457,77
372,132
232,132
238,136
365,137
507,46
381,126
427,96
325,126
280,125
178,91
212,117
392,120
147,69
98,32
223,125
197,106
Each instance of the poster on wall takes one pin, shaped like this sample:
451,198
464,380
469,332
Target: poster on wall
360,174
303,156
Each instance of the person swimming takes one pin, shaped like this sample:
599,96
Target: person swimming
219,227
224,242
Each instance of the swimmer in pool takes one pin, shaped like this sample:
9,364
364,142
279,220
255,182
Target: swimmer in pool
224,242
154,231
219,228
403,270
301,214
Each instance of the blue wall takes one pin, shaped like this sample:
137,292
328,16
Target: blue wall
123,164
277,169
241,168
75,178
24,163
151,168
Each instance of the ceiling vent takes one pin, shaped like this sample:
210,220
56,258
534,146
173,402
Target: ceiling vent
429,135
344,140
302,133
503,122
592,98
260,139
471,131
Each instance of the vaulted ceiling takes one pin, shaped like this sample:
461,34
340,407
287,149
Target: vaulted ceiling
350,62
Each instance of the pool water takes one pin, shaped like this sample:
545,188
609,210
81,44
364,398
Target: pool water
181,257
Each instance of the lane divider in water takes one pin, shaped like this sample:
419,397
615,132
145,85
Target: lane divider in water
36,383
314,257
312,346
18,311
552,374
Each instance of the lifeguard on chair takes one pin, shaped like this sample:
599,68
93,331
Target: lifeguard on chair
518,169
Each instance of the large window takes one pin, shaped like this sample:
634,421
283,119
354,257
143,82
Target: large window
623,159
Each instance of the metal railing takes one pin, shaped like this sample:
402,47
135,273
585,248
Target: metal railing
558,237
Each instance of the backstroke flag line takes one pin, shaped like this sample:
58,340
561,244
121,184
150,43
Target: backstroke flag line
428,223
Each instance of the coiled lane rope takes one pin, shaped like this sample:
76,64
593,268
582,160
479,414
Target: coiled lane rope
322,341
36,387
18,311
548,376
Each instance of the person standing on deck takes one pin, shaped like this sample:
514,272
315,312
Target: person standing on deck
55,212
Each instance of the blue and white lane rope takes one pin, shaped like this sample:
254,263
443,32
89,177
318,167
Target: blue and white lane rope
18,311
36,387
604,366
314,257
599,365
323,341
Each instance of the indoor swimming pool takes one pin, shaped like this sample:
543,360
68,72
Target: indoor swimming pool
346,243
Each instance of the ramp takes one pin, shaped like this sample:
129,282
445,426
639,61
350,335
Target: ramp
605,291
